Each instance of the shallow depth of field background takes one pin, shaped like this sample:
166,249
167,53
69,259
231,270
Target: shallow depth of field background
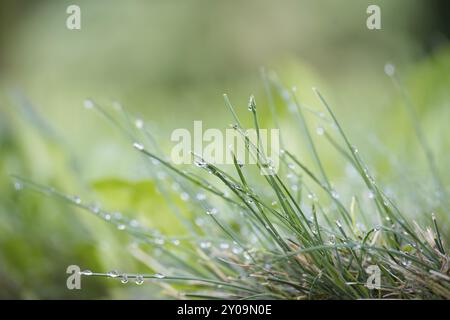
170,62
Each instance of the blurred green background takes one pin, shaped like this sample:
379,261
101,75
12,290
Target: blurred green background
170,62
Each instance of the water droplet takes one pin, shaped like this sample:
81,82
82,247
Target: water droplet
95,208
334,194
86,273
121,227
113,274
224,246
88,104
200,196
389,69
406,263
134,223
139,279
251,103
332,240
212,211
371,195
76,199
274,202
159,276
107,217
176,242
138,146
117,215
320,131
200,163
18,186
139,123
159,241
236,250
294,187
205,244
312,196
339,224
184,196
124,278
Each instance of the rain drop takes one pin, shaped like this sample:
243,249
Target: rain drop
124,278
138,146
334,194
86,273
200,164
213,211
200,196
139,123
236,250
134,223
205,244
139,279
251,104
76,199
320,131
88,104
184,196
389,69
113,274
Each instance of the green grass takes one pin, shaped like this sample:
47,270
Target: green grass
289,235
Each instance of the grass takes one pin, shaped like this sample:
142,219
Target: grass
288,235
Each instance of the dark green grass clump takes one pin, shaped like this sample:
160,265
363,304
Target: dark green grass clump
286,235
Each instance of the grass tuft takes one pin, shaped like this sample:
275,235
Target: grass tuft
265,239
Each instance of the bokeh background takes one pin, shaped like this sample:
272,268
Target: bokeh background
169,62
